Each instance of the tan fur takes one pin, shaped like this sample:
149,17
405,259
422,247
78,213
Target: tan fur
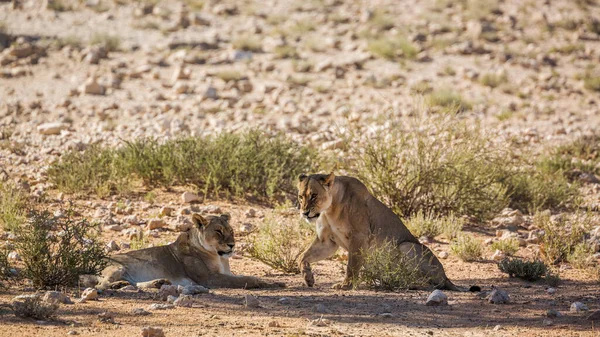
348,216
198,256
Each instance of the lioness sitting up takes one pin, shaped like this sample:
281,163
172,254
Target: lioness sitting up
198,256
348,216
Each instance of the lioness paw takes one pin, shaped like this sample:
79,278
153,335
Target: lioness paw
342,286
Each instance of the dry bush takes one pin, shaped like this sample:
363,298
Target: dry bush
431,226
387,268
561,236
436,164
507,246
13,204
280,245
34,307
55,251
526,270
441,164
467,248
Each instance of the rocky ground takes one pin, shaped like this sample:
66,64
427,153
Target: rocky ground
77,73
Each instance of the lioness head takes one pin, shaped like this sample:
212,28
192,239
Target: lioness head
214,233
314,194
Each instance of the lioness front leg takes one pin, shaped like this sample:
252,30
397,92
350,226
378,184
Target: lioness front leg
355,262
320,249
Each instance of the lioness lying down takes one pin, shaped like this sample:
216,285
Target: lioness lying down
198,256
348,216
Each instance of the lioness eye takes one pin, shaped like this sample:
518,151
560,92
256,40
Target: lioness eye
313,197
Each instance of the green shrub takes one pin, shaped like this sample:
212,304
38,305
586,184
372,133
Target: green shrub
561,236
96,170
507,246
467,248
248,164
280,245
13,203
387,268
526,270
591,82
55,251
430,226
34,307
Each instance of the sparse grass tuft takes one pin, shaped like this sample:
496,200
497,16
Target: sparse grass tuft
493,80
387,268
447,99
34,307
230,75
55,251
59,6
467,248
71,40
380,20
552,279
286,52
110,42
591,82
194,5
248,43
431,226
393,47
281,245
13,204
248,164
141,243
526,270
507,246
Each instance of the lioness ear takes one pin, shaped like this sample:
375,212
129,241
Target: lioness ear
301,177
199,220
329,179
226,216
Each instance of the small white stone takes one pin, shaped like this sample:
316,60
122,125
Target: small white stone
443,255
89,294
437,297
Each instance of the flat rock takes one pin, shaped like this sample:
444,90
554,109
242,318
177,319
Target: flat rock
160,306
578,307
152,332
192,289
188,197
56,297
52,128
184,301
498,296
